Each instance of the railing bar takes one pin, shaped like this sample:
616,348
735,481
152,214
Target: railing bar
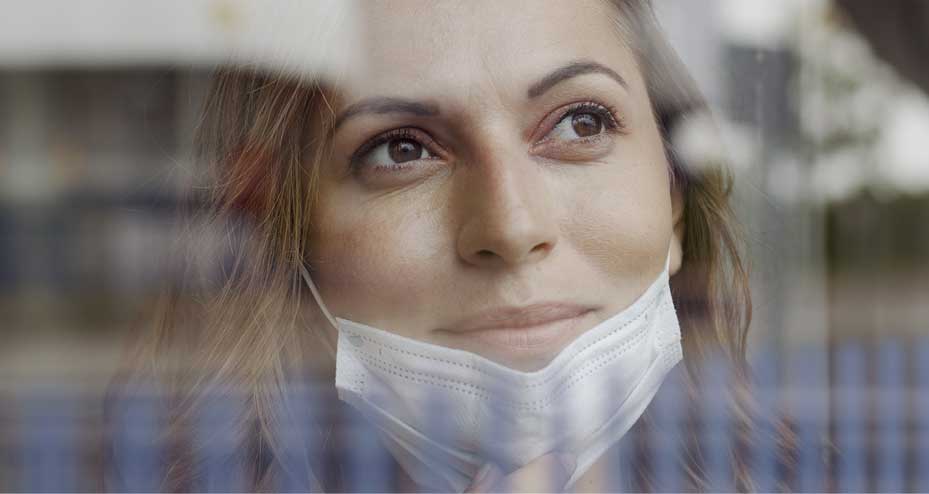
716,426
890,415
136,419
851,415
666,446
921,414
219,432
807,406
49,440
764,440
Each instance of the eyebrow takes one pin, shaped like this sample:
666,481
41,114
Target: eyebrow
385,105
570,70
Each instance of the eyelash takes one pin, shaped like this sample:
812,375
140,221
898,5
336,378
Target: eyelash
608,115
402,133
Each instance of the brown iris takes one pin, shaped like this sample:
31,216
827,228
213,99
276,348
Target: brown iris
402,150
586,124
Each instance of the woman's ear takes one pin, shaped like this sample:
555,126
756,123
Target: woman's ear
677,235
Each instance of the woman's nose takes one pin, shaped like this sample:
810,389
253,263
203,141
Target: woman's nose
508,216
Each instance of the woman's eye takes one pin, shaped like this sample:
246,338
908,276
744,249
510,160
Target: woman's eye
393,151
578,125
402,150
582,132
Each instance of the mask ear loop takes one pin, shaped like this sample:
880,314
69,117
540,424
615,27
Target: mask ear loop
667,261
322,306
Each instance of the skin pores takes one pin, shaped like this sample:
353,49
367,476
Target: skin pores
497,181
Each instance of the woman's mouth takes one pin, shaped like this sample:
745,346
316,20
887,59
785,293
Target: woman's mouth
531,334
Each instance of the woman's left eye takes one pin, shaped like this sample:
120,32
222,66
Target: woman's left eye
584,121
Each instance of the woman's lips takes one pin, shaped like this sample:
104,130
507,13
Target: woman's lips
532,331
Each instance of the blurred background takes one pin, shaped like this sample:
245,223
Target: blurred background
825,118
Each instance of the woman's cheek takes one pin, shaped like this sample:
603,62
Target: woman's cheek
377,262
621,224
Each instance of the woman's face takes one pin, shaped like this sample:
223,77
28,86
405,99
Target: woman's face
497,180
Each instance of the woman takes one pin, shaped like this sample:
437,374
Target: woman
497,179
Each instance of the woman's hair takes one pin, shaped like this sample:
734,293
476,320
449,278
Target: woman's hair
240,322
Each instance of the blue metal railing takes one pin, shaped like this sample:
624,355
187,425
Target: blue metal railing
860,419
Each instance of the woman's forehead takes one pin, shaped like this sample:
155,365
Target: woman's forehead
447,49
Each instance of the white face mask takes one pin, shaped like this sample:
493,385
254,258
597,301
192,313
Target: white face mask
443,412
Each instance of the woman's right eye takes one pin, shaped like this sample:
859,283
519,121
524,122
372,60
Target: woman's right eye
396,151
392,151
